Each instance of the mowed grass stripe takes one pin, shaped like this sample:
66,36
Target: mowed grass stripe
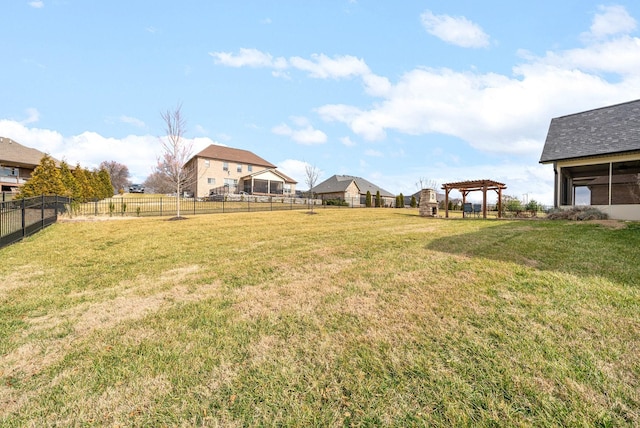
345,317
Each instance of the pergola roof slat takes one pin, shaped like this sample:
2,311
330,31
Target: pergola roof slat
474,185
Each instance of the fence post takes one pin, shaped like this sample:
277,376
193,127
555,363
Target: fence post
24,226
160,206
42,212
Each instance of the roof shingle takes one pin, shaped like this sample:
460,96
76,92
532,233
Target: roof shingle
603,131
339,183
230,154
17,154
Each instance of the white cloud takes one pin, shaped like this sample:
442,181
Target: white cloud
373,153
224,137
306,134
249,58
138,152
610,21
619,56
495,112
44,140
34,116
505,114
376,86
296,169
38,4
132,121
347,142
199,129
321,66
457,31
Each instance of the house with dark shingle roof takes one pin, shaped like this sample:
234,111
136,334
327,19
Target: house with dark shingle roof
351,189
17,162
596,159
224,170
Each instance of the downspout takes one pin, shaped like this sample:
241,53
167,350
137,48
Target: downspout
610,179
556,187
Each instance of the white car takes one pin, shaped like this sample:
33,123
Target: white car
136,188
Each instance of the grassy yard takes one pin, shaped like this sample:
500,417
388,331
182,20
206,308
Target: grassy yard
343,318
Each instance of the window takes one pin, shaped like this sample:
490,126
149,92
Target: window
250,168
225,166
9,172
260,186
230,182
211,181
207,163
239,168
616,183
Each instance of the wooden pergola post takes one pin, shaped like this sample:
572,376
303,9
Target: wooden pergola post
446,202
484,201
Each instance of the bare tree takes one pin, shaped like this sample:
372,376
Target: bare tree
157,183
119,174
424,183
176,152
311,177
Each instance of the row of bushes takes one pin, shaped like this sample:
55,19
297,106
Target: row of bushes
80,184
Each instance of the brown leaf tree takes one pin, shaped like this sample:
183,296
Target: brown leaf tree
119,174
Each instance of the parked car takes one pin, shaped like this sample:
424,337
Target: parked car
136,188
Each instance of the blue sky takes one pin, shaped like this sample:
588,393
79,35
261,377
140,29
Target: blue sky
394,92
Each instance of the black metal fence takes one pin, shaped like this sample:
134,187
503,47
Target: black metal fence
23,217
144,206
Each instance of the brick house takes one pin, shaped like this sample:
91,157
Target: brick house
224,170
351,189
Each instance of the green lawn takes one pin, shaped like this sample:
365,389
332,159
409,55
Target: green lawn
350,317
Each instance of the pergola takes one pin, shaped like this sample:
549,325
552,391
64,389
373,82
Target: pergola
465,187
